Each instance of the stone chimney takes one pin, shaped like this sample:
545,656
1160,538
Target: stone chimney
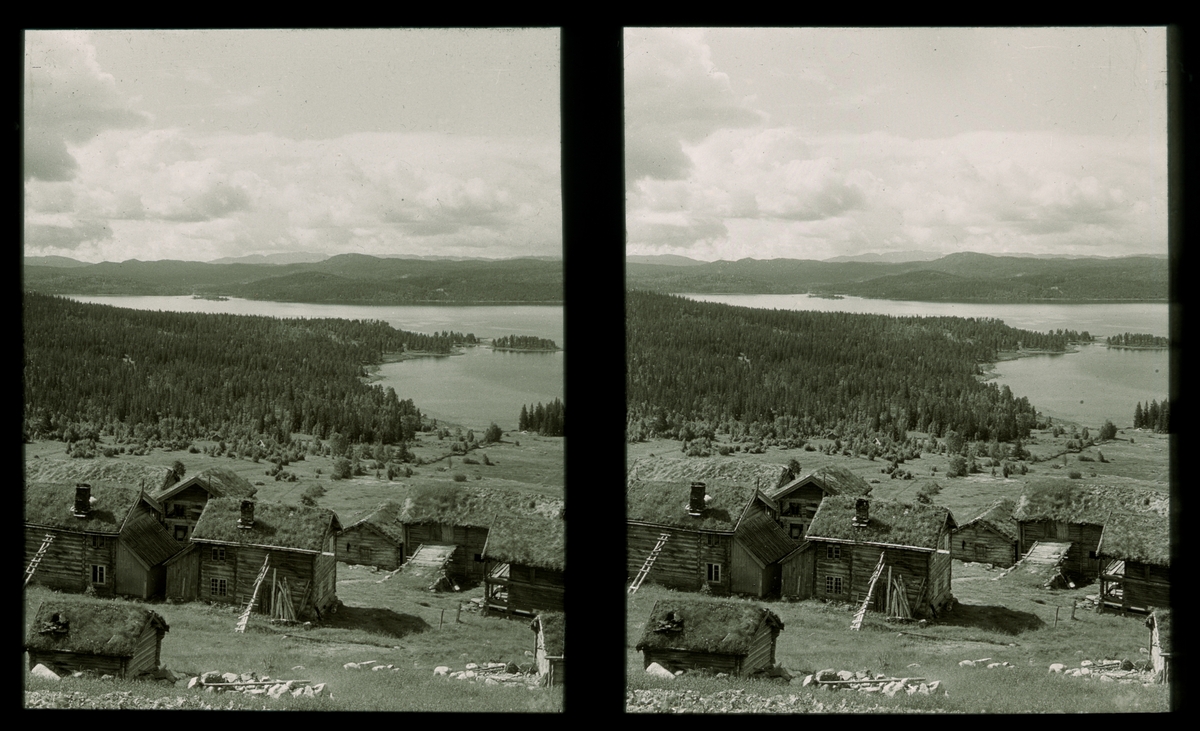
862,513
247,519
696,502
83,499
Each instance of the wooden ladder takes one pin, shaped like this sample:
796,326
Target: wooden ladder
856,624
245,618
37,558
645,570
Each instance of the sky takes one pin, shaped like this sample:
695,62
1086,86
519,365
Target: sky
819,143
198,145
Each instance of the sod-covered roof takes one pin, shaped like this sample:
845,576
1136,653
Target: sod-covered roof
666,503
708,469
52,505
218,481
385,518
109,627
528,540
1070,502
275,525
833,479
553,632
702,625
889,522
450,504
998,517
1140,537
100,469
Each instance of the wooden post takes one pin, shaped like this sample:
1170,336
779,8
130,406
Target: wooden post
1055,618
440,619
888,608
457,612
1073,603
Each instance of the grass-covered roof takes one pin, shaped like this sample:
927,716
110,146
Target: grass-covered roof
554,632
275,525
109,627
666,503
835,479
708,469
100,469
890,522
999,517
218,481
52,505
528,540
1068,501
1140,537
702,625
472,506
385,518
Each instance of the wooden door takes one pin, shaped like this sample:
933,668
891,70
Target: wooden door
447,533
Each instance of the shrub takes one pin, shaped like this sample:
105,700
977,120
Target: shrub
460,477
342,469
1075,475
492,434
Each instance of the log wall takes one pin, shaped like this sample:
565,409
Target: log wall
682,564
981,543
367,545
146,654
469,539
825,566
798,574
184,510
531,588
1084,539
213,569
685,660
67,564
1146,586
64,662
745,575
762,651
183,577
799,507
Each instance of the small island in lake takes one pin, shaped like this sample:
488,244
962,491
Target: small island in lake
524,343
826,296
1138,341
213,297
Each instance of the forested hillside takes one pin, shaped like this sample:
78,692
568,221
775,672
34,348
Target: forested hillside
697,367
95,368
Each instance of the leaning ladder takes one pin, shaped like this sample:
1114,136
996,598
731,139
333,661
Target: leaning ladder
37,558
862,611
645,570
245,618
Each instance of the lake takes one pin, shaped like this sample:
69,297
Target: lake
472,390
1087,387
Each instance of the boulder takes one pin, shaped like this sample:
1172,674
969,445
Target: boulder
382,667
808,680
923,689
861,675
1126,664
934,685
212,676
491,681
472,666
229,678
318,687
41,671
1057,667
1085,671
297,692
845,675
350,666
966,664
991,665
441,670
512,668
659,671
1085,664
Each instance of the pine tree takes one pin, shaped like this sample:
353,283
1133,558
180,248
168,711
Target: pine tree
1139,416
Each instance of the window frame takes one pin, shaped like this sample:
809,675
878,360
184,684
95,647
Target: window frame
713,573
101,570
833,550
833,585
218,587
796,528
218,554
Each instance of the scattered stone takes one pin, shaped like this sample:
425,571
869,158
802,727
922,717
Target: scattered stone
1085,664
914,665
934,685
923,689
41,671
845,675
441,670
659,671
512,668
966,664
991,665
808,679
229,677
298,667
1057,667
829,674
1085,671
471,666
350,666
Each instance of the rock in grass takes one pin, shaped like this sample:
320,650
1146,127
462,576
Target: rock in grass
845,675
966,664
808,680
659,671
1057,667
829,674
441,670
41,671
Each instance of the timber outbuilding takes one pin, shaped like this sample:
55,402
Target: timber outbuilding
897,554
235,540
1058,512
798,499
73,633
717,535
733,637
375,539
1135,555
106,537
525,565
550,647
990,537
184,501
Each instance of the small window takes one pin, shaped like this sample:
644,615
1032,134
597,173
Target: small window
833,551
479,558
714,572
833,585
178,510
348,547
218,553
218,587
964,545
97,541
797,530
98,574
181,532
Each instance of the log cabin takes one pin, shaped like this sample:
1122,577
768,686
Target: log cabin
849,534
1159,623
550,647
1063,512
797,500
1135,556
235,538
525,565
449,515
375,539
184,501
107,537
733,637
719,536
74,633
990,537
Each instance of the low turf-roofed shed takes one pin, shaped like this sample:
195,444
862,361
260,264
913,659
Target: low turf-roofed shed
103,536
375,539
850,534
990,537
71,633
1135,555
550,646
234,538
525,563
731,637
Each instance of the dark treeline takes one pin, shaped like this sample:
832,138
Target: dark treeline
1155,416
548,420
696,367
1138,340
524,342
176,376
